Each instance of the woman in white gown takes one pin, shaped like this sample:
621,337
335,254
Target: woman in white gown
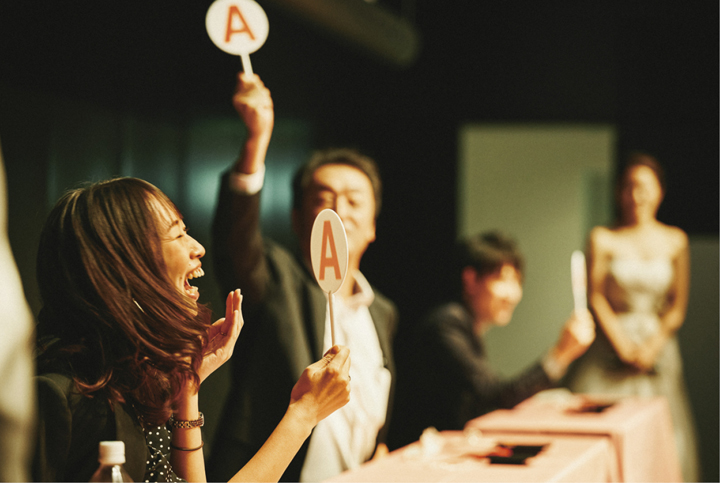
638,290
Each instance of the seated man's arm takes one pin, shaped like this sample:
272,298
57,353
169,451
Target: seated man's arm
471,365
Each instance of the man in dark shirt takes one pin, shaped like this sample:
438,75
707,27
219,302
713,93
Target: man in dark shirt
452,381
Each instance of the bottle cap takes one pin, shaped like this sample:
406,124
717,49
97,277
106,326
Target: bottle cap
112,453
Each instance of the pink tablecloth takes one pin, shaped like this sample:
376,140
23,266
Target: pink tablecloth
640,431
566,458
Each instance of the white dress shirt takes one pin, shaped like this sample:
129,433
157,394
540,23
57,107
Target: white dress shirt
346,439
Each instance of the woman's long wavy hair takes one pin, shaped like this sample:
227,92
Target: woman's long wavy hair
120,325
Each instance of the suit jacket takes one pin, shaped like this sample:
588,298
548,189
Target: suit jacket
70,428
451,381
284,313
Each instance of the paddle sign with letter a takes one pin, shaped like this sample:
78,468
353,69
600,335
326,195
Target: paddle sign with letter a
238,27
578,275
329,256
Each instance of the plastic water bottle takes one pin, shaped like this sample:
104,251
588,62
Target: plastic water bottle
112,460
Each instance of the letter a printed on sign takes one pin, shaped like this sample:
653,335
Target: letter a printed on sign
328,242
235,13
329,251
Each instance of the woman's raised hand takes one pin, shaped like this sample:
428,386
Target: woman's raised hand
324,386
222,336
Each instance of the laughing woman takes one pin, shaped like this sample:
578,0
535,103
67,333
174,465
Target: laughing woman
124,345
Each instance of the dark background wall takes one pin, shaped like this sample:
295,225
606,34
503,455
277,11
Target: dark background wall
648,67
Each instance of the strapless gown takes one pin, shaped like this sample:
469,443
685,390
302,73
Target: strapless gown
638,290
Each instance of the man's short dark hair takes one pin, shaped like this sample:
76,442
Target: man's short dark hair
487,252
346,156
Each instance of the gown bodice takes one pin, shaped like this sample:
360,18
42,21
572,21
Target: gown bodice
639,285
638,290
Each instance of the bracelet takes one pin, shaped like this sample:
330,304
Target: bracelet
188,449
184,424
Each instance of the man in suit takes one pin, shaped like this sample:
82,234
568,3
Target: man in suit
450,380
286,311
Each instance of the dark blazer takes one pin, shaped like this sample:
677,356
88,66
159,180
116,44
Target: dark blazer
451,381
70,428
284,313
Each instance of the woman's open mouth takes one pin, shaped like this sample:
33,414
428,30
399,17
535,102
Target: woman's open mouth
191,291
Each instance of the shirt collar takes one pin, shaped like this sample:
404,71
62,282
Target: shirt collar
363,294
